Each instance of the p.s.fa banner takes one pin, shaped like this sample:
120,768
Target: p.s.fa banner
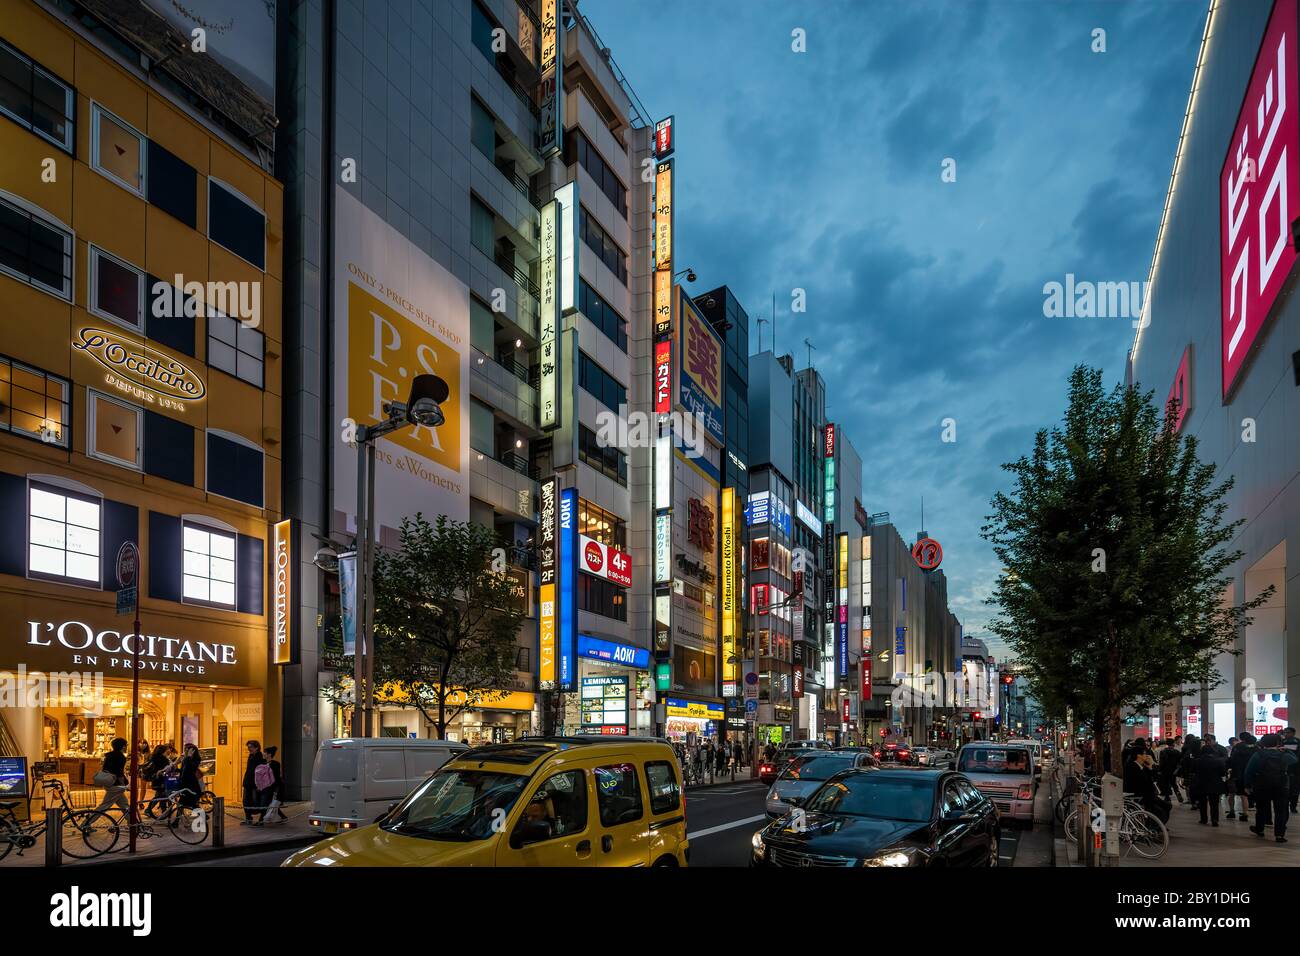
348,601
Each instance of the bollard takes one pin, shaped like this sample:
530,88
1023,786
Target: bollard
218,822
53,836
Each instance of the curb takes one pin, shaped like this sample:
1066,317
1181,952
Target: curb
724,783
117,861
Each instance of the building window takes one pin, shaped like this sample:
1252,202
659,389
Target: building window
606,250
579,151
235,468
602,315
599,384
116,289
116,150
36,250
36,99
601,597
481,27
113,430
523,659
209,563
235,348
759,550
173,185
34,403
236,223
601,525
608,461
63,541
482,129
482,227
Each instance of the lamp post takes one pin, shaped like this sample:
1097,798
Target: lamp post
423,407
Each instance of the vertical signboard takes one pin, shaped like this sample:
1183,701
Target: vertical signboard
700,361
730,665
842,608
663,137
663,304
567,199
1259,195
664,215
829,489
550,123
548,335
568,584
663,376
547,554
348,601
282,592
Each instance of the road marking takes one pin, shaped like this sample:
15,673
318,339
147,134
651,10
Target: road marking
709,831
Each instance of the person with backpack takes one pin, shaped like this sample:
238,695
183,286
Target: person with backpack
1291,745
1210,769
273,798
252,806
1267,779
1238,758
112,777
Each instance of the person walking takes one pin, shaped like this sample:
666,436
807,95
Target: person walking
720,758
1139,780
1267,779
112,777
252,808
738,755
1167,770
1238,757
1291,745
1187,768
191,776
1210,769
273,797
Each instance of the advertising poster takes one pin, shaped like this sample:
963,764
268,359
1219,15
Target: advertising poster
399,314
700,368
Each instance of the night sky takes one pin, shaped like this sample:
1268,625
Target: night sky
822,170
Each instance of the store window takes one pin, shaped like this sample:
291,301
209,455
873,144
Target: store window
557,809
116,149
601,525
34,403
579,151
601,597
35,249
114,429
235,468
35,98
236,223
618,794
209,561
63,540
235,348
605,248
665,794
116,289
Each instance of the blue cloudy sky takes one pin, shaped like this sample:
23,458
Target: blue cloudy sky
821,171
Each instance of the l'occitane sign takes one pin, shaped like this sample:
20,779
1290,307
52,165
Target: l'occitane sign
147,374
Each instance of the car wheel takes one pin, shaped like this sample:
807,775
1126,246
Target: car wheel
666,861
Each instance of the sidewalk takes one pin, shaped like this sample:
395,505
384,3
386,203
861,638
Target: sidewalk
1230,844
724,781
163,849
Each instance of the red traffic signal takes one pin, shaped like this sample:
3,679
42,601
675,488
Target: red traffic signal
977,715
1008,679
883,733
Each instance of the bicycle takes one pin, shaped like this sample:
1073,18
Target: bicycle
1140,830
85,833
189,825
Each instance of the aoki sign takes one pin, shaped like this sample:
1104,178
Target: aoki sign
78,644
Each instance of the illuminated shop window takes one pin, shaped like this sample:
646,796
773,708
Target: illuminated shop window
34,403
209,566
63,540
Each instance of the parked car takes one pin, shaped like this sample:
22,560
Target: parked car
553,801
888,818
1003,772
806,773
355,780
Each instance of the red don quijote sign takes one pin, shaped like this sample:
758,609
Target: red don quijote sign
1259,194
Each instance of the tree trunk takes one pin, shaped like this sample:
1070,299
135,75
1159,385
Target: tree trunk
1112,700
442,715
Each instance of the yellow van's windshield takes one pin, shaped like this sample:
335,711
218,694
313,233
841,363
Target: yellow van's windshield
457,805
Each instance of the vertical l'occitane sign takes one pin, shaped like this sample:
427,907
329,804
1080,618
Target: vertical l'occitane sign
282,592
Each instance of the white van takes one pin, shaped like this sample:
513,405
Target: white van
357,779
1035,748
1004,773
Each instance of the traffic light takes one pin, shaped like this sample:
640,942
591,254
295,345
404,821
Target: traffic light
883,733
977,715
1008,679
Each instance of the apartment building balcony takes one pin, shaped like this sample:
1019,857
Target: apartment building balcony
501,484
506,388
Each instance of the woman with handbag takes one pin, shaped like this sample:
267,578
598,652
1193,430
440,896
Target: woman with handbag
112,777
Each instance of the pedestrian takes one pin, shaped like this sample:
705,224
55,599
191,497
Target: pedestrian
738,755
1238,758
112,777
769,752
1291,745
251,806
1210,769
1167,770
1139,779
1267,780
141,781
1186,767
1211,741
273,799
191,776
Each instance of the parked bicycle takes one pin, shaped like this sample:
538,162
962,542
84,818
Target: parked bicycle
1140,830
85,833
187,824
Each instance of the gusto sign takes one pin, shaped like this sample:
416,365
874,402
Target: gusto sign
1259,194
605,561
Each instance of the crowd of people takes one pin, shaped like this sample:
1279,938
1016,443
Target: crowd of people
710,757
1248,774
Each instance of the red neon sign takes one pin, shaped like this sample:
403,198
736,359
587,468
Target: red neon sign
927,553
1181,391
663,377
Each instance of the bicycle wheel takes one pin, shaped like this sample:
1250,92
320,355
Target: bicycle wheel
8,833
88,833
189,825
1072,826
1147,836
206,800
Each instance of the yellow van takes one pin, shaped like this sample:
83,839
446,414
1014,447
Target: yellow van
543,801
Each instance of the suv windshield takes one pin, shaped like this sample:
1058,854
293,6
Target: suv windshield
819,767
878,795
994,760
457,805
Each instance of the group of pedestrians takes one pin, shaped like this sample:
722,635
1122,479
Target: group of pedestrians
263,787
1263,775
160,770
710,757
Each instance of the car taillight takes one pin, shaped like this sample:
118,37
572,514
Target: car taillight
903,753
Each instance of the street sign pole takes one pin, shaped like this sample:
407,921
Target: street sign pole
128,564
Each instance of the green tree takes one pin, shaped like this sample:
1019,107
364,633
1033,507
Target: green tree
446,618
1113,544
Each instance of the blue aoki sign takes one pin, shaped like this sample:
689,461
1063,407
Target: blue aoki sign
611,652
568,586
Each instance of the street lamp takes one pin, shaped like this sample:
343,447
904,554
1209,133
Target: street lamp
423,407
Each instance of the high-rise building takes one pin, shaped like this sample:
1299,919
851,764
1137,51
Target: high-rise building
141,358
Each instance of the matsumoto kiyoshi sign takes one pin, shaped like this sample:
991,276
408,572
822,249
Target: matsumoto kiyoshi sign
77,644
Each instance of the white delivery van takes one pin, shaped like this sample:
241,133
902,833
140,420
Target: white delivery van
1035,748
357,779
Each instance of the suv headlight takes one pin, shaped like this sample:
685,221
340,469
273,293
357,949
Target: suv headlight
904,857
757,841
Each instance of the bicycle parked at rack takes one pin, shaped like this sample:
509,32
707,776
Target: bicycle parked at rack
1140,830
187,824
85,833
